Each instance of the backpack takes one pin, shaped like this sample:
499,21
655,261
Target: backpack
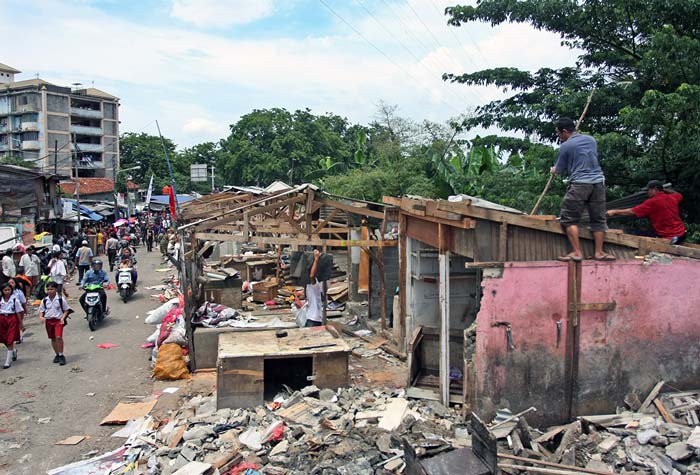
60,302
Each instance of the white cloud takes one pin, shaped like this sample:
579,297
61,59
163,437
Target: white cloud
197,82
220,13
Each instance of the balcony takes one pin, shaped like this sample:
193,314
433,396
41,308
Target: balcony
86,130
29,126
31,145
4,147
87,113
4,129
26,108
89,147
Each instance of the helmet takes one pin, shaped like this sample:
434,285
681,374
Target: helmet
123,243
127,238
85,243
97,263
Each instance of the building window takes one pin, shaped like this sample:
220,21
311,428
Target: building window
23,100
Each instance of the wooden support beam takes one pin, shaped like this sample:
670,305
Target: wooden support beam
403,265
308,214
314,241
382,278
503,242
351,209
444,298
275,206
322,224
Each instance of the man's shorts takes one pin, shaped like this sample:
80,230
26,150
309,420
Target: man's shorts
54,328
580,196
9,329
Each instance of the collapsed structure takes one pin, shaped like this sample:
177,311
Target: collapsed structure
468,292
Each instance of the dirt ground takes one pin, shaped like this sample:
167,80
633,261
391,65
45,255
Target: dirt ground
34,388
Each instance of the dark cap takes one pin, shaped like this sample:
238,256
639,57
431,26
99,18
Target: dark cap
655,184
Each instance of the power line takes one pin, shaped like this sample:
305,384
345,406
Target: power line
456,93
456,37
408,73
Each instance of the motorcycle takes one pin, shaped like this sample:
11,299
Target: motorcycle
94,306
125,284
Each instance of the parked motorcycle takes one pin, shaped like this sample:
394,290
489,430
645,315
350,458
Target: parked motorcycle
93,305
125,283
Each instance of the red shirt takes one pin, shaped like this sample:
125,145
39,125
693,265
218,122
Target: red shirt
662,210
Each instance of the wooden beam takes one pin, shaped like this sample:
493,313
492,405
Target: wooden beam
503,242
275,206
351,209
403,265
326,221
444,298
308,212
314,241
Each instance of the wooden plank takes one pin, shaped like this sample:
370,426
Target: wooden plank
331,370
239,381
444,298
662,410
351,209
403,264
503,242
597,307
323,223
314,241
651,396
279,205
308,213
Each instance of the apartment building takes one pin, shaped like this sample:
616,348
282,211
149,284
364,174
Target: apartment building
58,128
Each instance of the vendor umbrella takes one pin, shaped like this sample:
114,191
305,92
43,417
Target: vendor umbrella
120,222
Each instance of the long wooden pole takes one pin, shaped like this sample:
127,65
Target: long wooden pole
551,175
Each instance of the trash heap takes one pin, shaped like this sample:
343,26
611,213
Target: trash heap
170,348
312,431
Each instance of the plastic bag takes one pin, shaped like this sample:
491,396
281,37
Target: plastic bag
154,336
156,316
170,364
300,315
177,335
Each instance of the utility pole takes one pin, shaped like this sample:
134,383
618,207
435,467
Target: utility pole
77,178
55,157
212,178
114,178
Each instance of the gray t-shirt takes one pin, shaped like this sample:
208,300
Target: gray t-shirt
578,158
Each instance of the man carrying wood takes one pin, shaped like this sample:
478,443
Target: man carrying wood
578,158
662,210
313,305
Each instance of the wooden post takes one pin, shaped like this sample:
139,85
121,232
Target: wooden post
325,294
382,279
444,297
403,266
503,242
307,212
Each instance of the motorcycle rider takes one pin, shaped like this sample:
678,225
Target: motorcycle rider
98,276
127,256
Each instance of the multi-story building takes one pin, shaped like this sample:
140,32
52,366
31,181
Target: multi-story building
58,128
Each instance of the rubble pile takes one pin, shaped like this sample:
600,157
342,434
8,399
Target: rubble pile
312,431
660,437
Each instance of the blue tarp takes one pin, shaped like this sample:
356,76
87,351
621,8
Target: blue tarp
84,210
165,199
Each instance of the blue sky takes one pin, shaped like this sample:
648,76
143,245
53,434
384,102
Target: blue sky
198,65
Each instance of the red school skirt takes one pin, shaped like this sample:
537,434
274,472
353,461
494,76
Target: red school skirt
9,329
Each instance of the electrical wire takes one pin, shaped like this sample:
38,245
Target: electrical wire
456,37
380,51
457,93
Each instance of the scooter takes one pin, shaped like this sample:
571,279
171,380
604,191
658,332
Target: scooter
94,306
125,283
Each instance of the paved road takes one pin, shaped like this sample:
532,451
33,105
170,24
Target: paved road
35,388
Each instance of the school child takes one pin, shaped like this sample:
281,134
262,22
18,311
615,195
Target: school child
9,323
53,312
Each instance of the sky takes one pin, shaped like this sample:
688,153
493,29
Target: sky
197,66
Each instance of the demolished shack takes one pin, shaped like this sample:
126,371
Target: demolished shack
493,320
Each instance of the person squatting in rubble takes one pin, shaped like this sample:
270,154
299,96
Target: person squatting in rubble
53,312
313,296
10,310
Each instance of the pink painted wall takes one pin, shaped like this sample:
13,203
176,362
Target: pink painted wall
653,334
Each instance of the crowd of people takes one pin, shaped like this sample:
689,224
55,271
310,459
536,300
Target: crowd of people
24,274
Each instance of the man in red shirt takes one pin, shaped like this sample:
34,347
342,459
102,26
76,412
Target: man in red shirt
662,210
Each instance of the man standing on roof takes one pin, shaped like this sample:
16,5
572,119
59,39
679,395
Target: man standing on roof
578,158
662,210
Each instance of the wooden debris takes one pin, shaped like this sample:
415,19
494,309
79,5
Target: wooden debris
652,395
72,440
662,410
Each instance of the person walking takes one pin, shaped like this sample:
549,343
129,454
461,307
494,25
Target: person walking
31,264
83,258
53,312
149,239
100,241
10,308
57,270
8,267
112,246
578,158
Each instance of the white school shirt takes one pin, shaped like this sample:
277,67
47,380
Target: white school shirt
52,308
58,271
30,264
10,306
19,295
8,266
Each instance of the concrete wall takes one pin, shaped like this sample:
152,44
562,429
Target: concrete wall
652,334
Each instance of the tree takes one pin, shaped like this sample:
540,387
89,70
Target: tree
642,57
145,152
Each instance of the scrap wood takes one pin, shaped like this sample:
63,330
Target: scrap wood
662,410
547,436
552,464
552,471
384,346
394,414
72,440
176,437
124,412
377,343
652,395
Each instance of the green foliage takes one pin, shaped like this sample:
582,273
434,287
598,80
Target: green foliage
642,57
145,153
18,161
